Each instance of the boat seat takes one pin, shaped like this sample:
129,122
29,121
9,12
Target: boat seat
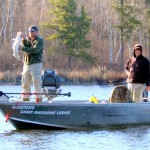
120,94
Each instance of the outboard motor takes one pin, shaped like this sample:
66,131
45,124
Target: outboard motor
50,83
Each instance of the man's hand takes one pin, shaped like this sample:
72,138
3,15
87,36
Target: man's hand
147,88
23,36
128,73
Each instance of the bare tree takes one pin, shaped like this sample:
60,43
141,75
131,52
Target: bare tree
11,18
110,32
4,19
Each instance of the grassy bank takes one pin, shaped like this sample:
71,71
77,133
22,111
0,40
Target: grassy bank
100,75
94,74
10,77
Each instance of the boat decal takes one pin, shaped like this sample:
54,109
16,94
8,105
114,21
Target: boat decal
58,112
30,109
45,112
26,111
18,107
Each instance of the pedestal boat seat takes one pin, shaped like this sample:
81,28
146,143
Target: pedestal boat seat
50,83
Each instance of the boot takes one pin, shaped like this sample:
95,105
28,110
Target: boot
39,99
26,99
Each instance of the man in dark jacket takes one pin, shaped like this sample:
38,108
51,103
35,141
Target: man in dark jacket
32,47
137,69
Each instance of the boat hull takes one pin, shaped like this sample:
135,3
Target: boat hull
74,114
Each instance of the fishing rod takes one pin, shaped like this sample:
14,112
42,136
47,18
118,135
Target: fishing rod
63,94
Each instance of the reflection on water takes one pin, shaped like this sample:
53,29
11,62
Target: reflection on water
115,139
119,139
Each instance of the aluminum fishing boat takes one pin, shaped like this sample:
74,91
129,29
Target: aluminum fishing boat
71,114
74,114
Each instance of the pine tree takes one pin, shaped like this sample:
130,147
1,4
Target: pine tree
70,29
147,24
127,23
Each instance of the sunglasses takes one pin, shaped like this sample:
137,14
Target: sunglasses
32,30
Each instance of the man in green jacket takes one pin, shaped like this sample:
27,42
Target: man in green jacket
33,48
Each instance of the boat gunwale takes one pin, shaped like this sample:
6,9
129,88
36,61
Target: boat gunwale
71,103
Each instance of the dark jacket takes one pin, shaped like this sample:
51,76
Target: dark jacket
139,69
33,50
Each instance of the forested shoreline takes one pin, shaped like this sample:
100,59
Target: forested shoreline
116,25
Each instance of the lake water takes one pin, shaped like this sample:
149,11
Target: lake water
103,139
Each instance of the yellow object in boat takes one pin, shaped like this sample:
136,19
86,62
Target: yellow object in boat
93,99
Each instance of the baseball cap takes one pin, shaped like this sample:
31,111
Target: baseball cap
138,47
33,28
